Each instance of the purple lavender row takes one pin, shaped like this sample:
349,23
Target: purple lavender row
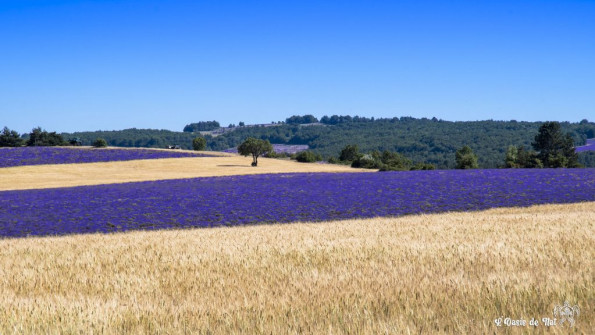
589,146
10,157
261,199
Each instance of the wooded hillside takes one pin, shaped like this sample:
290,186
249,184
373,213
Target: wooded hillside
422,140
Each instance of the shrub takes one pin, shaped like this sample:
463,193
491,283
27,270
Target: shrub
466,159
274,154
334,160
199,143
308,157
366,161
100,143
423,166
349,153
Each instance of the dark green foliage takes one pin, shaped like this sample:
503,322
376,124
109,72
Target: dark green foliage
423,166
147,138
528,158
273,154
334,160
519,157
199,143
296,119
75,141
255,147
39,137
241,124
10,138
100,143
385,161
349,153
555,148
512,156
308,157
466,159
587,158
388,161
336,119
366,161
201,126
431,141
393,161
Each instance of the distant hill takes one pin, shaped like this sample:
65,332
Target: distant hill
422,140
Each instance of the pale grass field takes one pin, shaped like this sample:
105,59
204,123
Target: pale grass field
66,175
448,273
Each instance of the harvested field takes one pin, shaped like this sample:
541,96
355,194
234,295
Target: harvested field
444,273
65,175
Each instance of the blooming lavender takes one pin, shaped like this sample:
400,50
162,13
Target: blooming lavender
273,198
10,157
589,146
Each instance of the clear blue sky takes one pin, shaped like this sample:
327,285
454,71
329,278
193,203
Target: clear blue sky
103,65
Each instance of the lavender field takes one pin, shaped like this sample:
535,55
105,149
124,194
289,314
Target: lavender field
272,198
10,157
589,146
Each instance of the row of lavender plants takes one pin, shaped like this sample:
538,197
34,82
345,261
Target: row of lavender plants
261,199
10,157
589,146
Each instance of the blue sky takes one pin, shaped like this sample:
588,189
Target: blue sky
105,65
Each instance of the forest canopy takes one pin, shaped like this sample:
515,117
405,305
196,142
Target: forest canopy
430,141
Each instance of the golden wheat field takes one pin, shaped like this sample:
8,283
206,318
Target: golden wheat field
447,273
65,175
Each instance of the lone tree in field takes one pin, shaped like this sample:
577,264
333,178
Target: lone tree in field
555,148
254,147
199,143
466,159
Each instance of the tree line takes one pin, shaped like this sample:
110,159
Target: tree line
426,141
552,149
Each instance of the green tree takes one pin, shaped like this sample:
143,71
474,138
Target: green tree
296,119
466,159
367,161
10,138
100,143
75,141
201,126
307,157
555,148
349,153
393,161
199,143
254,147
512,154
519,157
39,137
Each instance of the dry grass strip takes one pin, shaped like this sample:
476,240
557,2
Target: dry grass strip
65,175
447,273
